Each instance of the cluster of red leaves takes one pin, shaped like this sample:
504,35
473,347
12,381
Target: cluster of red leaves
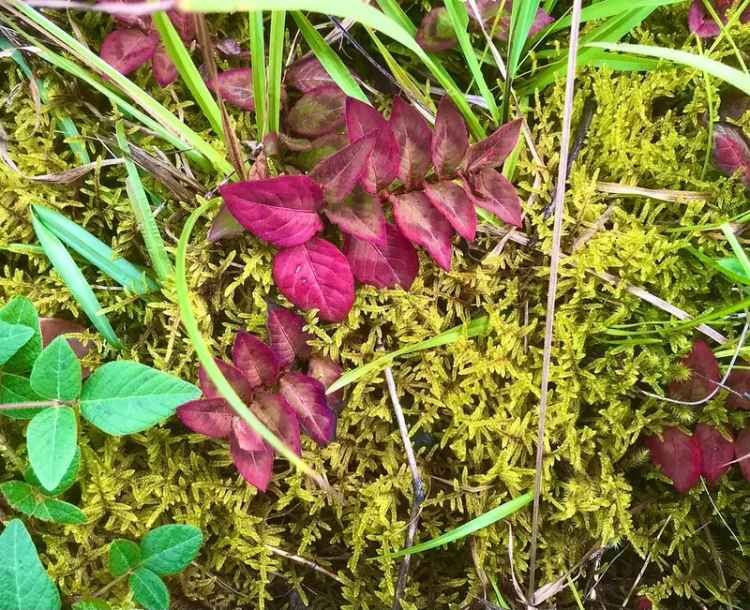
431,178
684,458
702,24
436,32
268,379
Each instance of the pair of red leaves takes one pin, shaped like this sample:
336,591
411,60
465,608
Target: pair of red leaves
702,24
282,397
438,176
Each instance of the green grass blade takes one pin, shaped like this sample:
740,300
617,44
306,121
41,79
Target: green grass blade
188,72
275,65
74,280
258,63
476,327
460,22
402,76
70,131
523,14
143,213
330,60
482,521
609,8
730,75
94,251
739,251
730,266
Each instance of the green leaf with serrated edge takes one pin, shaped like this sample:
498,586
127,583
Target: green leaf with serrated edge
149,590
124,397
124,555
20,496
24,584
12,339
65,483
15,388
57,372
51,438
59,511
169,548
91,604
20,310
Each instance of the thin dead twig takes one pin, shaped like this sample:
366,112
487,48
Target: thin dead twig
645,565
615,188
303,561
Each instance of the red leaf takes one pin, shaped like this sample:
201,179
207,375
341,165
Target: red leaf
165,72
326,371
224,225
286,335
414,137
450,140
316,275
281,210
395,263
644,603
704,372
246,438
307,397
235,86
256,467
421,223
339,173
493,192
51,328
234,376
230,47
184,23
255,359
309,155
127,50
307,74
700,22
318,112
274,411
742,450
492,151
453,203
731,152
383,166
716,451
679,457
211,417
128,18
360,215
436,32
739,381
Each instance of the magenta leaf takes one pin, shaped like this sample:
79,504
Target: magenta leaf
234,376
360,215
704,373
316,275
315,151
326,371
211,417
422,223
246,438
307,397
493,192
452,202
742,449
256,467
318,112
127,50
51,328
286,335
254,359
224,225
274,411
184,23
281,210
165,72
492,151
383,166
436,32
235,86
700,22
414,137
739,383
307,74
716,451
678,455
340,173
230,47
450,140
731,152
395,263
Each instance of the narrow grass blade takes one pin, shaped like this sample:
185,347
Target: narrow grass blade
609,8
187,70
258,64
522,18
739,251
74,280
482,521
329,58
402,76
94,251
275,64
143,213
477,326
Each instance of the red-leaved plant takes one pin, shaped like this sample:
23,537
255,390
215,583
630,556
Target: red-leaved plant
703,25
731,152
431,178
268,379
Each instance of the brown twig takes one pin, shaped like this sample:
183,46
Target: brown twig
303,561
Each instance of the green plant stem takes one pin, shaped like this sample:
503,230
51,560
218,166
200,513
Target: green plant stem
275,64
737,248
33,404
258,63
